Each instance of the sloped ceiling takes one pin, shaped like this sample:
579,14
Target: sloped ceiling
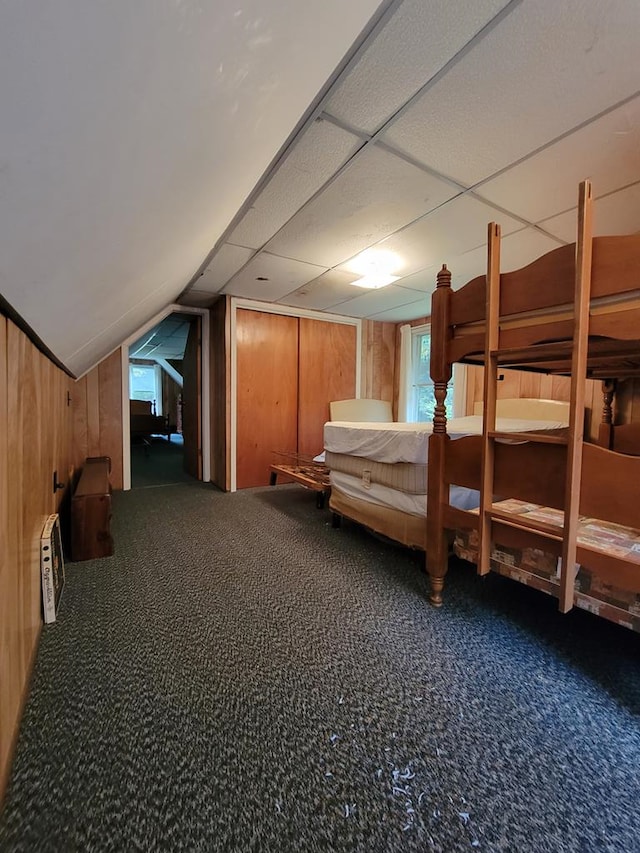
159,148
130,134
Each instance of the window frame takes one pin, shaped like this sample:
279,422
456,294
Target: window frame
157,382
457,382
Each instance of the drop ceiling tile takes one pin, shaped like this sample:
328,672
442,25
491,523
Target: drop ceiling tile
311,161
283,275
546,68
424,280
617,213
403,313
516,251
327,290
375,195
374,301
607,151
454,228
416,42
224,264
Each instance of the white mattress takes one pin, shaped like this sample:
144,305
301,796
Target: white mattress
402,442
459,496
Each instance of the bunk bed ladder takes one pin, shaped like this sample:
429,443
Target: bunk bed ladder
492,340
576,411
576,418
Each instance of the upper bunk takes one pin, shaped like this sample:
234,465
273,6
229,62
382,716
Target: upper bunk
537,313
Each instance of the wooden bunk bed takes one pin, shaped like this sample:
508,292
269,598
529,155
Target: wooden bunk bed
555,512
379,469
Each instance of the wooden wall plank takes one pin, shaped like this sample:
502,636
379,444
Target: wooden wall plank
35,441
80,426
378,360
327,371
97,415
93,412
110,414
9,684
267,392
220,396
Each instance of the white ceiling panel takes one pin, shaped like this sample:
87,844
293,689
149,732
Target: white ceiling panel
402,313
282,276
131,134
225,263
323,292
460,224
375,301
607,151
516,251
413,46
617,213
547,67
375,195
320,152
113,334
424,280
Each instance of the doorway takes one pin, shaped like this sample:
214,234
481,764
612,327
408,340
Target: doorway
165,400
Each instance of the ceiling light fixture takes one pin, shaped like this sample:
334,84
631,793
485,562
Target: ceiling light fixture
375,280
376,268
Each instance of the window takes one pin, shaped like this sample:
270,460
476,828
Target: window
421,401
145,383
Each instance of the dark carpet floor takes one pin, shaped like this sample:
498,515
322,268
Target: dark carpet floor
242,677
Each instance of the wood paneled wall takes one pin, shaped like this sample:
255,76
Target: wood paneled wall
220,396
627,401
36,432
326,371
267,392
519,383
378,361
97,405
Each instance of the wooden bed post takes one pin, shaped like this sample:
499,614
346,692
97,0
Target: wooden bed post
605,432
437,545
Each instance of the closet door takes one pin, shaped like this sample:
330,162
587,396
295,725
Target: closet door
267,392
327,371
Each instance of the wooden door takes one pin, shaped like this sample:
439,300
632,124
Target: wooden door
267,392
327,371
192,400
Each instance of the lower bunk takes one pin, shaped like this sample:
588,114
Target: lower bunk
530,482
607,576
379,471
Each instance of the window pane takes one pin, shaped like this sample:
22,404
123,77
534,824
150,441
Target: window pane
142,382
421,356
426,402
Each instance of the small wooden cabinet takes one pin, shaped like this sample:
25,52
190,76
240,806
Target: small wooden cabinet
91,512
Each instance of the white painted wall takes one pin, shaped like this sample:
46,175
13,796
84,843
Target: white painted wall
130,134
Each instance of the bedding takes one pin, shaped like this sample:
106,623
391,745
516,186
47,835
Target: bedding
378,471
385,496
408,442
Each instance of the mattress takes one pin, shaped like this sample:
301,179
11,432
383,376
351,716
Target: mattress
408,442
404,476
385,496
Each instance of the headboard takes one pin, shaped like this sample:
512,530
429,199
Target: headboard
529,408
140,407
374,411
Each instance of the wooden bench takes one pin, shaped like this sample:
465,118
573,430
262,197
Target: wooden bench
91,511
